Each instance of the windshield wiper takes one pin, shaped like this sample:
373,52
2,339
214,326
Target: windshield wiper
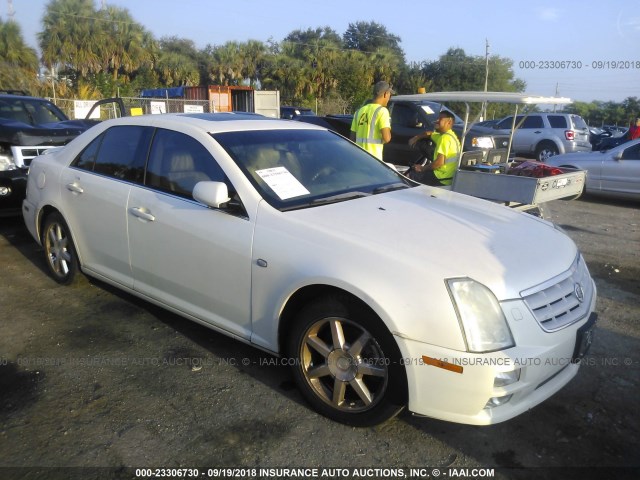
341,197
390,188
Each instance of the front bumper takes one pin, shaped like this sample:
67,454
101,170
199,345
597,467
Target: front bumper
13,184
462,387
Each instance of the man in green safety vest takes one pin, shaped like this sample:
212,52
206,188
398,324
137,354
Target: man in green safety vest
371,125
445,158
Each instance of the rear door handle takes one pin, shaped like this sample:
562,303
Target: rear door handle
141,213
74,187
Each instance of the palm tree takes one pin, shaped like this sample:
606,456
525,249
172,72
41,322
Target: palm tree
125,45
226,64
70,38
18,61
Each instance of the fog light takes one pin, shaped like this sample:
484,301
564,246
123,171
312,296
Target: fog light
497,401
502,379
5,191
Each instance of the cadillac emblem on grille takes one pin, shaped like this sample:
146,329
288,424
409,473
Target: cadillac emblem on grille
579,292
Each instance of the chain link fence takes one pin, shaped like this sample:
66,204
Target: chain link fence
135,106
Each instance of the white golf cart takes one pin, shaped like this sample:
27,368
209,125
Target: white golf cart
483,173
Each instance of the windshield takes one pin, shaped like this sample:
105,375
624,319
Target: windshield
30,111
433,110
304,168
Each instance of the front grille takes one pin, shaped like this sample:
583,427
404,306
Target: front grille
22,156
564,300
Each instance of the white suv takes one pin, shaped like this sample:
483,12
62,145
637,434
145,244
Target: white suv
546,134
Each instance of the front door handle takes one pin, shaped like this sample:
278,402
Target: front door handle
74,187
141,213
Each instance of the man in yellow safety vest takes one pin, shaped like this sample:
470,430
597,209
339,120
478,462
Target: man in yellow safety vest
371,125
445,158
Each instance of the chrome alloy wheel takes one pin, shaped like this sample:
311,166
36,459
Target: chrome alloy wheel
59,249
344,365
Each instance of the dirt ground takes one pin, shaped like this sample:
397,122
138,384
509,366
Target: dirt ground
94,382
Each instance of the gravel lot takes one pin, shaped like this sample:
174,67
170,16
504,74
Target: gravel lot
91,377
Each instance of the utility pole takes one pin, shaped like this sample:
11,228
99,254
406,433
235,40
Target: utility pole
483,113
554,105
11,12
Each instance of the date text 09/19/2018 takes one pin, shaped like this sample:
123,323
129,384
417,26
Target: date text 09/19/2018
579,65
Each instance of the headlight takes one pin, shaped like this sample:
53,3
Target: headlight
6,163
484,325
482,142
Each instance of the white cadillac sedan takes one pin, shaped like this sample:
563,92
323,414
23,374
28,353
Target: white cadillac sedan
380,292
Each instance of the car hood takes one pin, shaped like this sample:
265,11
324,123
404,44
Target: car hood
60,133
577,157
457,235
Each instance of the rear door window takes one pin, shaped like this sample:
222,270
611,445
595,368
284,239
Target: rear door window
533,121
557,121
578,122
120,152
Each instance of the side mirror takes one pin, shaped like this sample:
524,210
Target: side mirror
618,156
211,194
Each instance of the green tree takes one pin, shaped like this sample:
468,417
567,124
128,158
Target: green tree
178,62
370,37
70,39
301,42
18,61
225,64
125,45
457,71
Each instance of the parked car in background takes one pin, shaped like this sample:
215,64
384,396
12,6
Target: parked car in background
613,139
542,135
289,237
291,113
28,127
340,123
613,173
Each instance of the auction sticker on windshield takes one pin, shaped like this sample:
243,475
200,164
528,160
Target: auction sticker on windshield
282,182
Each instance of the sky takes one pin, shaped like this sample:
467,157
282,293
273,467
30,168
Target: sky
599,42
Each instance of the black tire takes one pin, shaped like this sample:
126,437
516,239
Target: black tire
59,250
546,150
346,363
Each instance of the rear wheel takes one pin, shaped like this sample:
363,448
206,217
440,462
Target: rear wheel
60,253
546,150
346,363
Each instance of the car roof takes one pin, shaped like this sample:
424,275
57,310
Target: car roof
22,97
213,122
491,97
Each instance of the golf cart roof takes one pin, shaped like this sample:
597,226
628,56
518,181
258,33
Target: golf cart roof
489,97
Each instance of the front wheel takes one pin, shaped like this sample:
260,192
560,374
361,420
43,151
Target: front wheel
346,363
60,253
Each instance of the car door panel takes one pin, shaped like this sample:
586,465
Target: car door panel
184,254
97,187
622,175
96,217
192,258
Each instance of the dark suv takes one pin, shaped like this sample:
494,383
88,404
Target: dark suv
28,127
543,135
410,117
291,113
